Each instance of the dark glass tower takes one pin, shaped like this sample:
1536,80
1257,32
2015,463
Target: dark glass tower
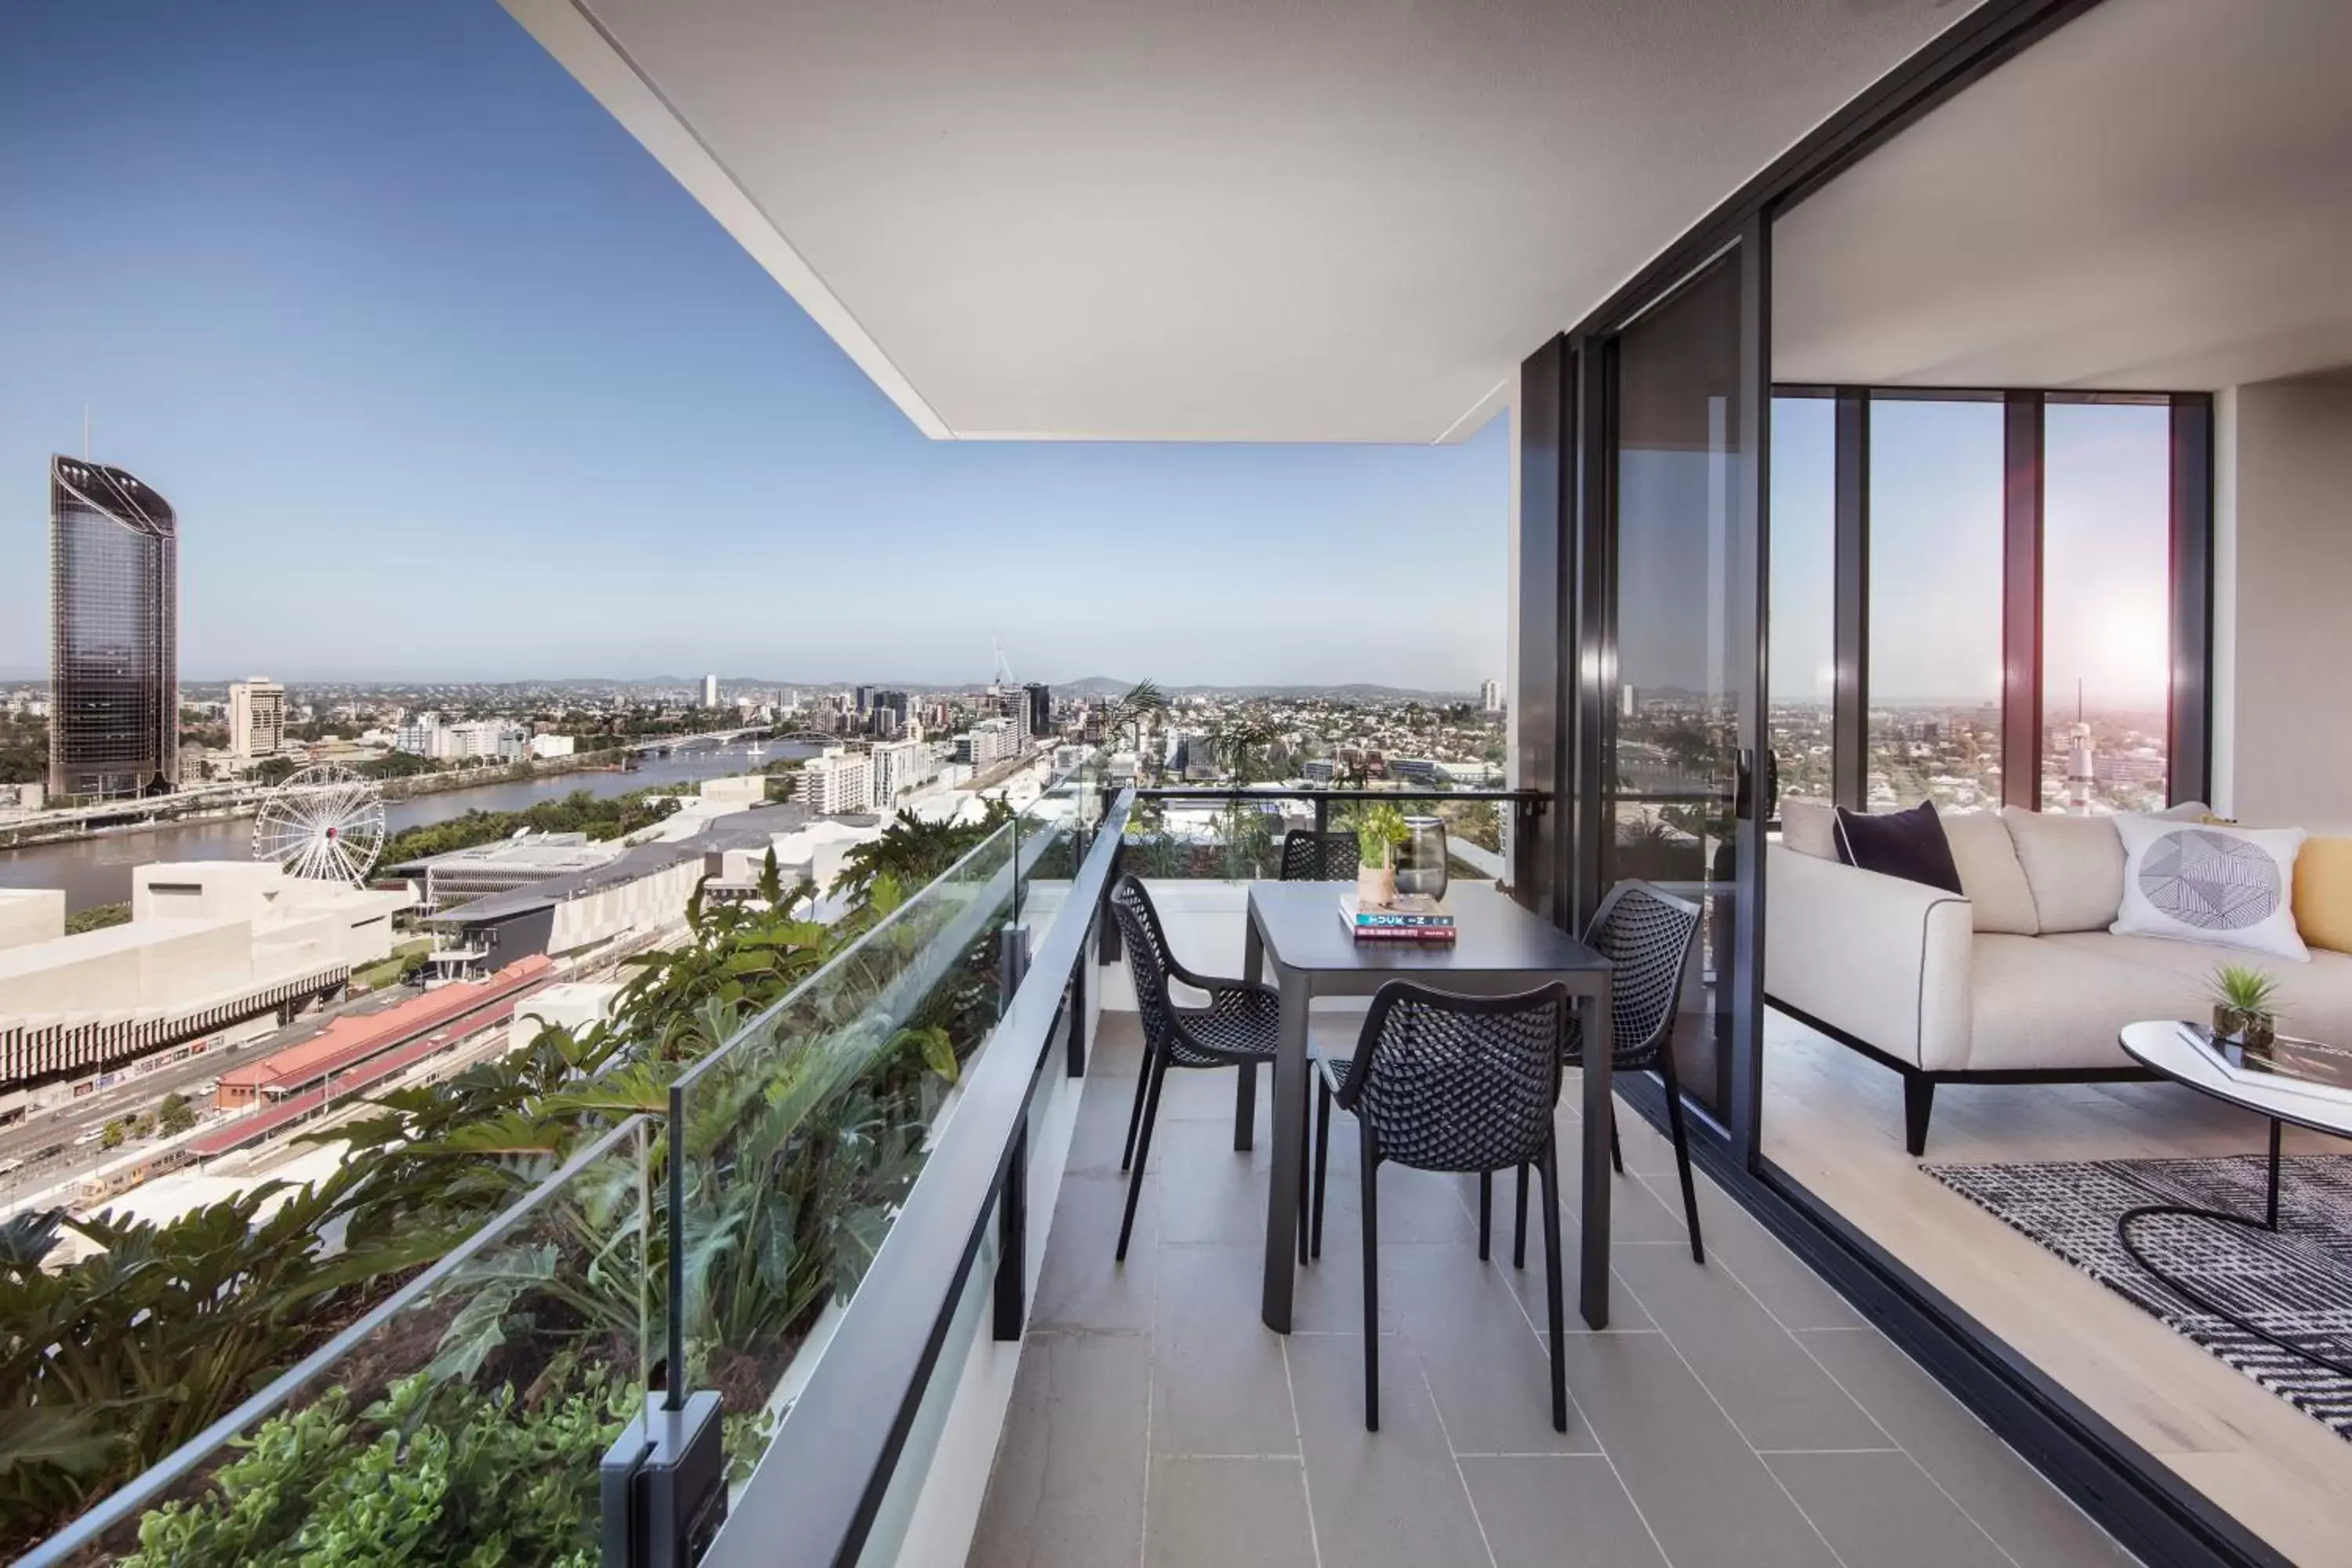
114,634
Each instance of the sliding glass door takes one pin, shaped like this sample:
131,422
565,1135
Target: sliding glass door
1680,789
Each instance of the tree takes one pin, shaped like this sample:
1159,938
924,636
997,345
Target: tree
914,852
273,770
174,1116
112,1137
99,916
1143,702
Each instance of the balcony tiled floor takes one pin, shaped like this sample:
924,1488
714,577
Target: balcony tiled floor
1734,1415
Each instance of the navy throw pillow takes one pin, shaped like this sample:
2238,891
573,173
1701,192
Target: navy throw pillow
1907,844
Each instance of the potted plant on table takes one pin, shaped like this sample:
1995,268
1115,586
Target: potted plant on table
1379,830
2245,1005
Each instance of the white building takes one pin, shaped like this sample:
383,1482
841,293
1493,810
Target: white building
545,746
1490,697
213,949
986,743
900,766
834,782
480,739
416,735
711,691
257,718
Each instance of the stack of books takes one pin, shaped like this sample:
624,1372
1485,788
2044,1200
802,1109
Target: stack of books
1425,920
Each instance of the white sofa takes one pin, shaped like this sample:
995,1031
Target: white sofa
2019,981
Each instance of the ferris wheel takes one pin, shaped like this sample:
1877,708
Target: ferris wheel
324,823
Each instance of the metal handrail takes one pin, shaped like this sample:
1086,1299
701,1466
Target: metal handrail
151,1483
1333,793
817,1490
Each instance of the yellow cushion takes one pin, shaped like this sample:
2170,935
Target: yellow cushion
2323,893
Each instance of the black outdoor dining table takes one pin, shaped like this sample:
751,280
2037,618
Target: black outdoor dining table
1499,948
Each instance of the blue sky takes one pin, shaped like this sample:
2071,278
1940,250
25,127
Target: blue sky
448,379
1936,552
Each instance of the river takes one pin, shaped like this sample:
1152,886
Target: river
97,870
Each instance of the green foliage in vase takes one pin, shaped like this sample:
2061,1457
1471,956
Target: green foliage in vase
1379,829
2245,988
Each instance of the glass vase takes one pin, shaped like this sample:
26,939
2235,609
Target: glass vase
1421,859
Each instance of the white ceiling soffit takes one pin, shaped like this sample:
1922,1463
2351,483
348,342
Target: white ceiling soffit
1296,220
2157,198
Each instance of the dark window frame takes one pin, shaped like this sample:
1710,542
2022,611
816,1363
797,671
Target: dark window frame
2189,749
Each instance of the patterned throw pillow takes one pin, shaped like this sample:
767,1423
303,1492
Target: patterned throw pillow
2233,887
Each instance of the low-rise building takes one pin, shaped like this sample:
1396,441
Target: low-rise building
638,890
214,950
31,914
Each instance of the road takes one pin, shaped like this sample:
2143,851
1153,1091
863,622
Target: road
66,1123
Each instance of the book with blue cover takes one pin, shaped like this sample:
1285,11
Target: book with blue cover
1421,919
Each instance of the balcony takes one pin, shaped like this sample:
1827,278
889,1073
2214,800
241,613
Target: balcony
1741,1412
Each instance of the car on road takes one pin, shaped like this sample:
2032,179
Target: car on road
10,1167
92,1136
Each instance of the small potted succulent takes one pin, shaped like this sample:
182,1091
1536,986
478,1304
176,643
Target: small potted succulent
2245,1005
1379,830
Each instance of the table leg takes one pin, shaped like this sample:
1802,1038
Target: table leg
1289,1128
1592,1285
2269,1206
1245,1090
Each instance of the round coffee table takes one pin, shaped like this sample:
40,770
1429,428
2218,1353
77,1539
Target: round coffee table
2166,1048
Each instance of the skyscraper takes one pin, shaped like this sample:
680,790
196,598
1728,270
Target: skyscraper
711,691
1040,709
114,636
1490,696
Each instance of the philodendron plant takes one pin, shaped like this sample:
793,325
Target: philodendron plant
2245,1003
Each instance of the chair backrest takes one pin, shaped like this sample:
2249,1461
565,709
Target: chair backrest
1646,935
1146,947
1315,855
1458,1083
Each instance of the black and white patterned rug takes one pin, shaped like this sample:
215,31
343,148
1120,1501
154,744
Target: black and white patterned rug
2297,1284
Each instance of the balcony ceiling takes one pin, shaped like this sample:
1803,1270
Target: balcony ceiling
1151,219
2158,198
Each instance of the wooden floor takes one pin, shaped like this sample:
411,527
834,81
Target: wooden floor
1834,1120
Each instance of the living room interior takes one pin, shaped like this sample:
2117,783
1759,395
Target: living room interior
2061,448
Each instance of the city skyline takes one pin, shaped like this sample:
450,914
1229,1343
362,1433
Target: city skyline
404,304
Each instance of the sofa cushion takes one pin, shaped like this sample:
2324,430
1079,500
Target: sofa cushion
2323,892
1905,843
2190,882
2075,866
1992,878
2315,998
1810,827
2049,1003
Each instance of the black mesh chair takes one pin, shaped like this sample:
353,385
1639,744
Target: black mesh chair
1241,1027
1450,1083
1647,936
1317,854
